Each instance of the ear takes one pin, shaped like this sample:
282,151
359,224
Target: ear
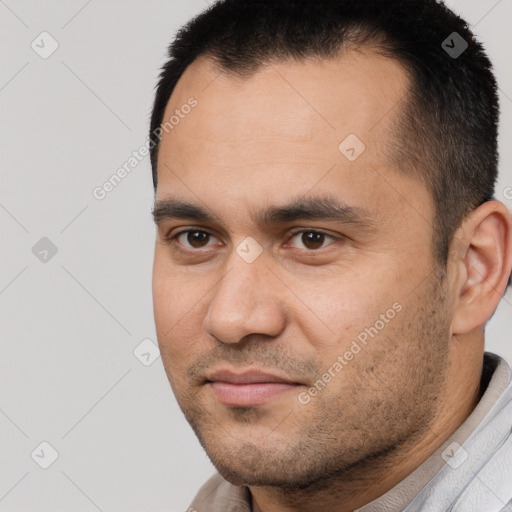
482,258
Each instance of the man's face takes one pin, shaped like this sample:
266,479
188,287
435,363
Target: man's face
345,314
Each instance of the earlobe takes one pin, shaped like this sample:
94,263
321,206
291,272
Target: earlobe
483,256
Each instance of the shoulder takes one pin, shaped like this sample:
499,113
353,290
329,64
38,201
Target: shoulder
218,495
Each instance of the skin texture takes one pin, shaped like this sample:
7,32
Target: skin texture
263,141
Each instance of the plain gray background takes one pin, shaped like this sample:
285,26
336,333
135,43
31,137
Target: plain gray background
69,325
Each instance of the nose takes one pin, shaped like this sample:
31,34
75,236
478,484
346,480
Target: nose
249,299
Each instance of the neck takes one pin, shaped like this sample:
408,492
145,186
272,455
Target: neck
370,479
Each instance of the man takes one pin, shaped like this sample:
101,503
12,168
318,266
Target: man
328,253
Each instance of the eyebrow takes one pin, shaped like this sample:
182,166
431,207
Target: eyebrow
318,208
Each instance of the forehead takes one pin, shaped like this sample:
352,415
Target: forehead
354,92
283,130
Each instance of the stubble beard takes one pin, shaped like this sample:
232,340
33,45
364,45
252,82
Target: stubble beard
346,436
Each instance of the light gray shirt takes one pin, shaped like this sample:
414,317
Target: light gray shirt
471,472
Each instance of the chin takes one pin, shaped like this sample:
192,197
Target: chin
268,465
246,463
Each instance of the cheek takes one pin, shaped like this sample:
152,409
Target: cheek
179,313
175,295
179,331
352,321
180,345
338,311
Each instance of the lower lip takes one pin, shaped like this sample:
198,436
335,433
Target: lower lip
248,395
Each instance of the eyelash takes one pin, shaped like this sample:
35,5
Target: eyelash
172,238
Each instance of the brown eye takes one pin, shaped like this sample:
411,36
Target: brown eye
193,238
312,240
197,238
